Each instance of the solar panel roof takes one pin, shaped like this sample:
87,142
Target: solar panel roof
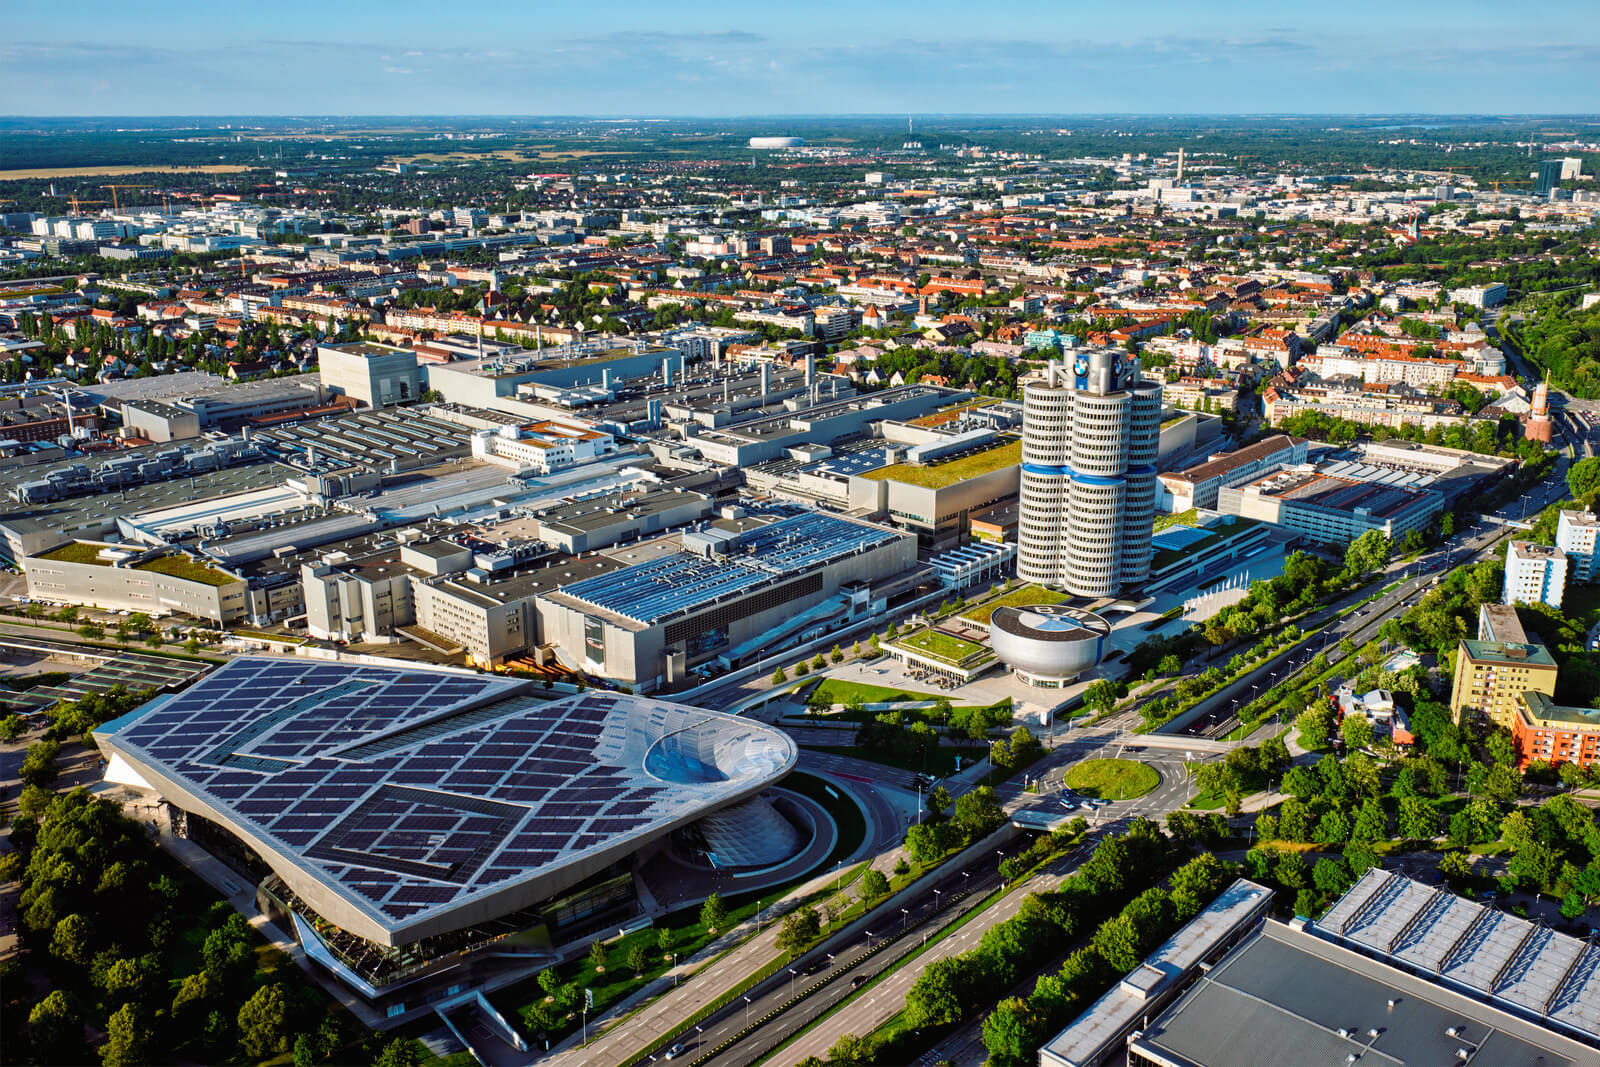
376,783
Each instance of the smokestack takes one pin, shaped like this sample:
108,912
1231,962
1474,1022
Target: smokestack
811,370
666,372
766,380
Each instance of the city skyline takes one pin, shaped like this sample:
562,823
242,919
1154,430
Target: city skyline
721,61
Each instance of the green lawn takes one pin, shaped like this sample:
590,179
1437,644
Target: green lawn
180,566
939,475
1112,779
838,691
941,645
77,552
1026,596
1187,518
940,763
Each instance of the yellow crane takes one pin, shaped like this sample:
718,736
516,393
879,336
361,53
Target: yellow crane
76,201
115,206
1496,201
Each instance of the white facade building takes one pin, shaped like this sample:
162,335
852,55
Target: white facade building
1535,574
1091,433
541,446
1578,536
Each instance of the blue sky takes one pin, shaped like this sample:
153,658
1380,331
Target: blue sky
621,57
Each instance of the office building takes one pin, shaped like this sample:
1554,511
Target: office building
1197,486
1491,677
1578,536
377,375
424,833
1535,574
1549,177
1090,438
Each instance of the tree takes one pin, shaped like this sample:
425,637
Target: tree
74,940
978,812
1372,823
1290,869
1583,477
401,1052
128,1037
1418,820
1011,1033
1356,731
1117,942
39,765
945,992
666,940
799,929
1367,553
925,842
638,958
778,676
55,1031
836,655
1331,876
304,1051
713,913
597,956
264,1022
1101,696
873,885
818,662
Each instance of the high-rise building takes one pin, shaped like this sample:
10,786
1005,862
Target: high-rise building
1089,441
1549,176
1578,535
1535,574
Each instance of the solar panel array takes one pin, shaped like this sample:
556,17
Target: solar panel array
1503,958
678,584
411,790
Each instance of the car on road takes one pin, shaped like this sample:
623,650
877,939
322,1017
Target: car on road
1097,802
1069,803
855,983
674,1052
820,965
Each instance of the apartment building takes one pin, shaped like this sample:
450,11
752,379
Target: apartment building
1554,733
1535,574
1578,536
1491,677
1197,487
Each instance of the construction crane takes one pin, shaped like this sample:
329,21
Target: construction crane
1494,203
76,201
115,206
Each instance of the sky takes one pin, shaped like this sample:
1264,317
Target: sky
714,58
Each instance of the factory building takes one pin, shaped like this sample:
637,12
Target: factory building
734,585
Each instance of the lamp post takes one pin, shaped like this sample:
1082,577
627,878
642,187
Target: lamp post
747,1013
904,916
936,901
791,983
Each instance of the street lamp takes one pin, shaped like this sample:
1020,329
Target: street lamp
904,916
869,940
791,983
937,901
747,1013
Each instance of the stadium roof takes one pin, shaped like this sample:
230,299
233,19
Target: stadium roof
403,803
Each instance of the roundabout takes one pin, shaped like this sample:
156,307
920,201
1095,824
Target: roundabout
1112,779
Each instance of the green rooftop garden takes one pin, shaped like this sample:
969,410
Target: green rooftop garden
1024,597
179,566
1217,534
1188,518
939,475
78,552
941,646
